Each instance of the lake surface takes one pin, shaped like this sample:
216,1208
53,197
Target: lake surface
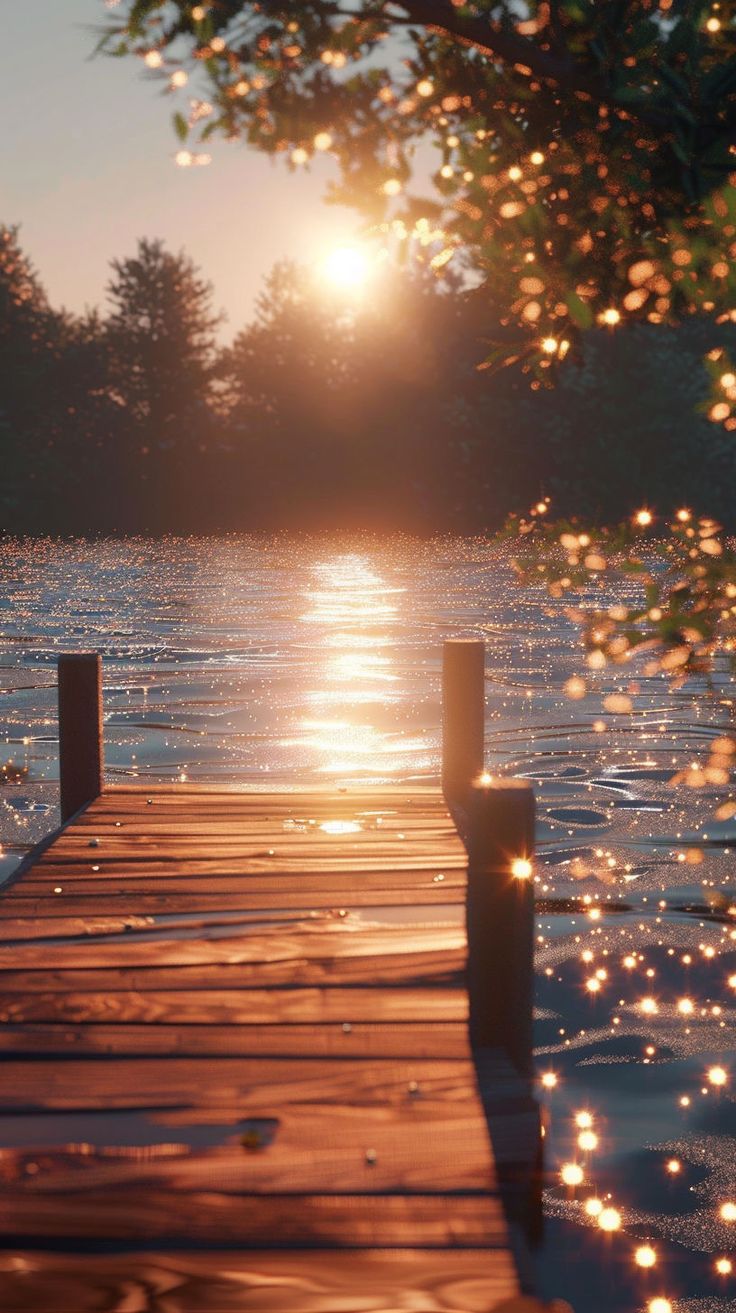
272,662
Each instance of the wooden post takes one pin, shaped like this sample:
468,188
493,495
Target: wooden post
463,716
500,919
80,731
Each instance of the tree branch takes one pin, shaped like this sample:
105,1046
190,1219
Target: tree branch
499,42
551,65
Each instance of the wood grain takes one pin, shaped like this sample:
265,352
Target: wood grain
274,1073
367,1281
262,1007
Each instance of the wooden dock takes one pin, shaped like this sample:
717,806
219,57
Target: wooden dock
237,1064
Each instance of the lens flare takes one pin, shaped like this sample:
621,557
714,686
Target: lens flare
347,267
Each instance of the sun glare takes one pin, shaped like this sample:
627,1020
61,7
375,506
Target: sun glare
347,267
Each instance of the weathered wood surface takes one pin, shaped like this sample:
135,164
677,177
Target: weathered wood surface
354,1282
215,1044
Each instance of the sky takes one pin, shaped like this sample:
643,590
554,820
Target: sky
87,167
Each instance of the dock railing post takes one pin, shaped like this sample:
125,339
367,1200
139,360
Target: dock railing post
463,716
80,731
500,919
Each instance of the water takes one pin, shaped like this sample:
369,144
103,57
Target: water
276,661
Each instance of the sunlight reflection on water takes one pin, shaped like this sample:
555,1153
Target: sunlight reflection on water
272,662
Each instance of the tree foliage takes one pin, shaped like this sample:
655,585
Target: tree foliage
679,586
584,148
53,407
161,335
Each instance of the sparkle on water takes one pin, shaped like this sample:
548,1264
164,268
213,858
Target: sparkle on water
267,662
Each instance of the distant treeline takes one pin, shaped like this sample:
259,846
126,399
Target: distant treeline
319,416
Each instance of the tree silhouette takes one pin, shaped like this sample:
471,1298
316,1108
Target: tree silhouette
161,335
161,341
330,412
32,338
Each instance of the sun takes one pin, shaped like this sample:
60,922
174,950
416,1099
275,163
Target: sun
347,267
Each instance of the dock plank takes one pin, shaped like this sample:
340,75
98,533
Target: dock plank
258,1007
367,1281
425,1039
239,1083
250,1032
257,1221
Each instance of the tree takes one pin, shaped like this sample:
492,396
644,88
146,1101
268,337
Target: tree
60,429
161,341
293,351
585,147
327,398
625,428
161,334
372,414
32,337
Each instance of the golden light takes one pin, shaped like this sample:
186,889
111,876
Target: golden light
648,1006
425,87
587,1141
727,1211
340,827
643,518
514,173
521,868
153,59
659,1305
299,155
611,316
575,688
645,1256
550,345
549,1080
391,187
609,1219
323,141
686,1006
717,1075
584,1120
347,267
724,1266
179,78
713,25
572,1174
593,985
593,1207
536,157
